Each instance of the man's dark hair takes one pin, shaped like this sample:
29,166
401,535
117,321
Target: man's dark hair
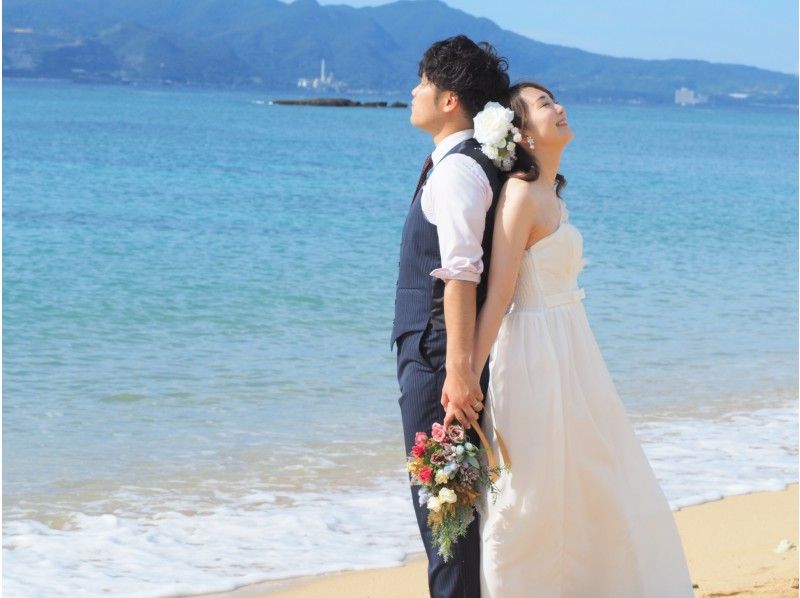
473,71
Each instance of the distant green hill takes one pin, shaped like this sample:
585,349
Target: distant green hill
269,44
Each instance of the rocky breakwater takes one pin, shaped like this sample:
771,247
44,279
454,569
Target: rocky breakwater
339,103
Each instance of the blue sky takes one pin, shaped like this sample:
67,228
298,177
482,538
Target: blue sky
762,34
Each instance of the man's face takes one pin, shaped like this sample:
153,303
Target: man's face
426,114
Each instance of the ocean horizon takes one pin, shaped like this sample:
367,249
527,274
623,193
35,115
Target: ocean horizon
198,387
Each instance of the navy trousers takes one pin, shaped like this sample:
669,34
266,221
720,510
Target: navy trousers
421,374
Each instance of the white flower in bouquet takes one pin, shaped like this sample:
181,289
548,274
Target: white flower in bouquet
424,495
434,504
442,477
447,495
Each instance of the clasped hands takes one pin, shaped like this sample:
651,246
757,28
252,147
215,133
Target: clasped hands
462,397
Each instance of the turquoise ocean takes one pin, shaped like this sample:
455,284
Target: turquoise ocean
198,390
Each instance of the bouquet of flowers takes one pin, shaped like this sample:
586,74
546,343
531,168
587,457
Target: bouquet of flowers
447,467
497,135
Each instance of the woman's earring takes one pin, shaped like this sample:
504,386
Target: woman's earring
529,140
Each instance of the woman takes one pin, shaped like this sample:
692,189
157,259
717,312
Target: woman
580,514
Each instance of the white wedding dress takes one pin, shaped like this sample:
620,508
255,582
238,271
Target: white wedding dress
581,513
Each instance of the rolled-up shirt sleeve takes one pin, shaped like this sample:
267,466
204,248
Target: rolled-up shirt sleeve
460,197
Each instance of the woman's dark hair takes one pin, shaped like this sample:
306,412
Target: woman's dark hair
525,167
473,71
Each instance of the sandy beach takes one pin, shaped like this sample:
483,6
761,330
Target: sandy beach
730,546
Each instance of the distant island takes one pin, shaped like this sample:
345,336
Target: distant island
375,50
338,102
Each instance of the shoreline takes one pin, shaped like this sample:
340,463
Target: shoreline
729,544
152,85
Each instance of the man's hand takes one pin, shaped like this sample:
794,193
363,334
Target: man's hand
462,397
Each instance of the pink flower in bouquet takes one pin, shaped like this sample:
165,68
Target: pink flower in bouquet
418,450
437,432
425,475
455,433
420,438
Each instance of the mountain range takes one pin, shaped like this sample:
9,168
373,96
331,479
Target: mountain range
269,44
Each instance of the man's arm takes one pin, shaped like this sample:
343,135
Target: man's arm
461,195
462,393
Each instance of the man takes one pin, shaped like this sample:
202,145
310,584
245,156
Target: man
444,260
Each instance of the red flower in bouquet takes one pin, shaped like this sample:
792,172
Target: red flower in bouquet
425,475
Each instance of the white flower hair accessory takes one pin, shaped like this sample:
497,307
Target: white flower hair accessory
497,136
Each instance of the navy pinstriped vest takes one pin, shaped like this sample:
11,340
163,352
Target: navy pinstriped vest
419,298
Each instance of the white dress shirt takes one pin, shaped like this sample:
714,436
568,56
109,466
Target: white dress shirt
455,198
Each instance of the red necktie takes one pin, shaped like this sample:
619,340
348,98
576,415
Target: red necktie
425,168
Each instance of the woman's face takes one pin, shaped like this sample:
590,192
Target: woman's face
546,121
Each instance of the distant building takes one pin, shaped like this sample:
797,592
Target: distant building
324,81
687,97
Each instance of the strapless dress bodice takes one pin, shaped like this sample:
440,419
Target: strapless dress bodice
549,271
